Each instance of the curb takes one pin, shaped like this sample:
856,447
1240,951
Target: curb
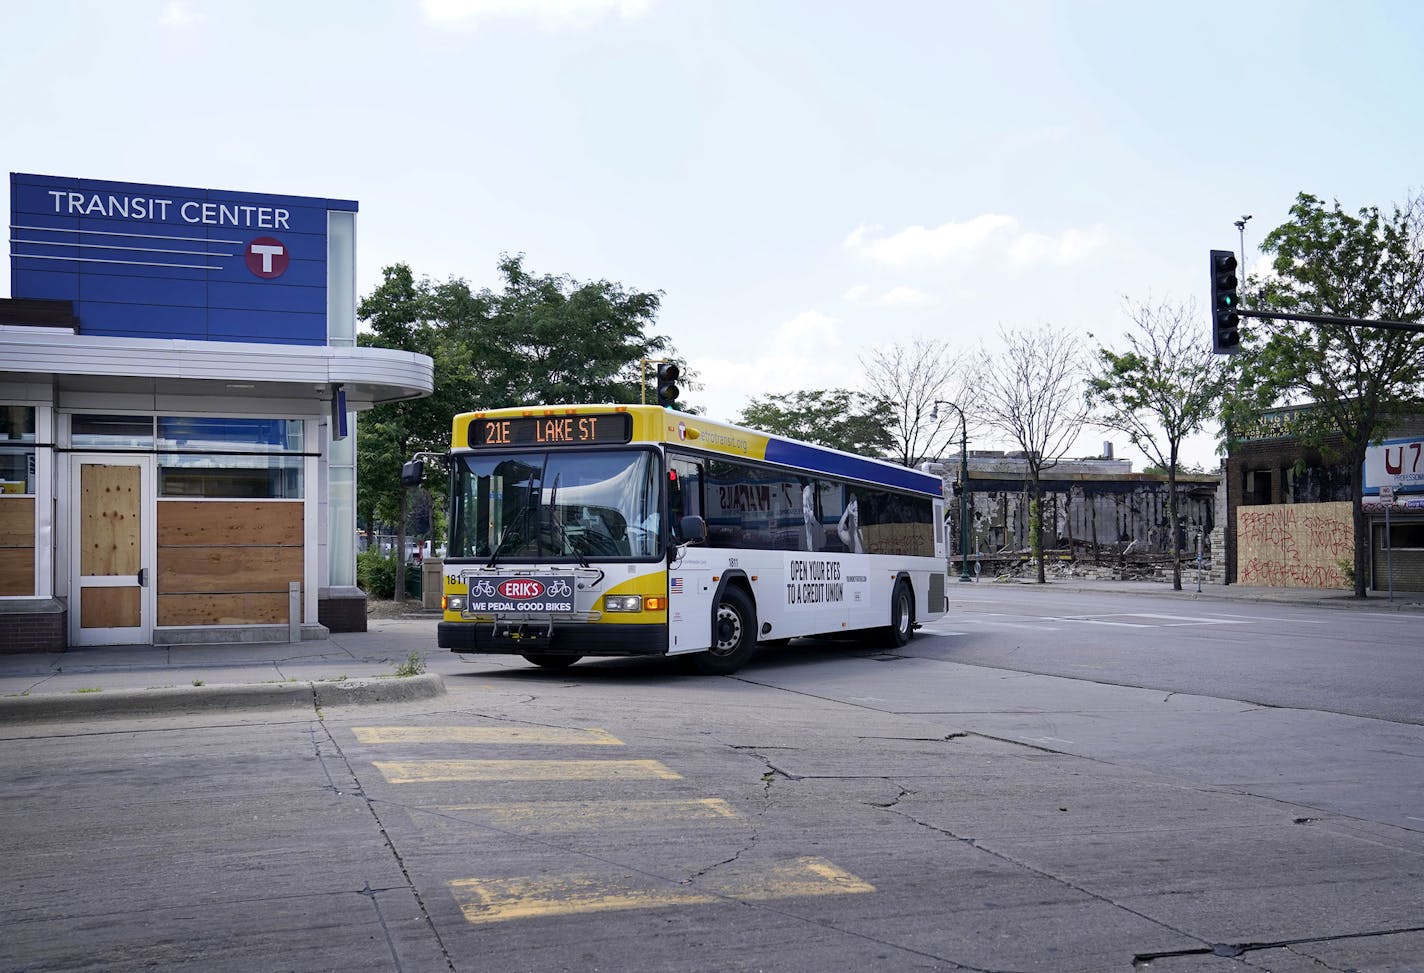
179,700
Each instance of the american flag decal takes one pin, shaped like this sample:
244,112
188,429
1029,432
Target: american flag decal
676,586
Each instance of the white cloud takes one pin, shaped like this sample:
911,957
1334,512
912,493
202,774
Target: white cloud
905,297
919,246
546,13
178,13
894,297
804,352
1070,246
808,326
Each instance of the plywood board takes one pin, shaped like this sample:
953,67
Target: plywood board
109,607
227,569
223,609
110,501
1295,545
17,521
17,571
219,523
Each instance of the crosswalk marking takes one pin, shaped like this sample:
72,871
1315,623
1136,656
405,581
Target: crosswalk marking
1155,620
446,771
541,735
486,901
583,814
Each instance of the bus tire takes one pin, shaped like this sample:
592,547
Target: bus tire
544,660
902,616
733,635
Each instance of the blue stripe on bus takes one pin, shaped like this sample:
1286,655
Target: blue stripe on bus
834,463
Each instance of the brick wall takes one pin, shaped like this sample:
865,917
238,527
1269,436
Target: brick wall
33,627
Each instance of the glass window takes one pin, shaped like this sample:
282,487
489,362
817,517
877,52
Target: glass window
17,423
1406,535
112,432
557,506
341,277
17,469
231,477
895,523
684,491
17,460
762,508
215,434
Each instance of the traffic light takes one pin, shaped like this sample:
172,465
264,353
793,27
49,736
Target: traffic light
1225,321
667,383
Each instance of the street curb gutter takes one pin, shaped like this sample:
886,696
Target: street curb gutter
178,700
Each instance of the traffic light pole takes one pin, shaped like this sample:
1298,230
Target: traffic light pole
1333,319
1226,311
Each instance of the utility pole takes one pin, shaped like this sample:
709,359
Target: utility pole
963,485
1241,229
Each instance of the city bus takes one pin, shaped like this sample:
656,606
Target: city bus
636,530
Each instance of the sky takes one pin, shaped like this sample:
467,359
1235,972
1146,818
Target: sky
802,180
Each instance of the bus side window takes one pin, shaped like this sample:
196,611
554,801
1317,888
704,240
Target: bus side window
684,491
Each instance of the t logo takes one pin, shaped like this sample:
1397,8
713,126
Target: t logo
267,257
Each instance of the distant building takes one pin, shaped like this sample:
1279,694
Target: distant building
1289,521
1094,509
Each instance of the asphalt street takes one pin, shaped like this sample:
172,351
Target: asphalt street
1047,780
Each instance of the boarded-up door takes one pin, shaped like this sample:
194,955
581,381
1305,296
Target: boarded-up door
112,551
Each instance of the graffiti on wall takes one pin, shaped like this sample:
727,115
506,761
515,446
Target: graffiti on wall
1305,545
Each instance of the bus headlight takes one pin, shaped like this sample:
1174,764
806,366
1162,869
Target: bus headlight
622,603
454,603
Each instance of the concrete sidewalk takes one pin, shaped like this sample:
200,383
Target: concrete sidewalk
355,668
144,680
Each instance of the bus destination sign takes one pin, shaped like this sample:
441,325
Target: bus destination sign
551,431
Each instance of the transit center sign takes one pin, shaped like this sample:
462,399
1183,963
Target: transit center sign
150,261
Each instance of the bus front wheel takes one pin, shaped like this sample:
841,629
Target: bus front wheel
733,635
546,661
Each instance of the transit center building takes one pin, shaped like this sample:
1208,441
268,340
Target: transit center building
179,385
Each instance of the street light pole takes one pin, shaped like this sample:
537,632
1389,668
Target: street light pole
1241,229
963,484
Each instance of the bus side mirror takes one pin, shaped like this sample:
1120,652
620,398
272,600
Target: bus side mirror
412,473
691,529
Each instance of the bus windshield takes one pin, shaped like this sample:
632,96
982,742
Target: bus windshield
564,505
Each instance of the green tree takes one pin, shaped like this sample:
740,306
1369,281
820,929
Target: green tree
1163,386
553,339
839,418
402,313
537,339
1357,382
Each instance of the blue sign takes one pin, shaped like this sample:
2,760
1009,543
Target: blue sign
145,261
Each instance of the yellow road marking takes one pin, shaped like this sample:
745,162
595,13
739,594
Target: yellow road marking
580,814
485,901
437,771
551,735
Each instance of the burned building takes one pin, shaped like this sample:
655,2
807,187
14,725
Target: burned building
1096,511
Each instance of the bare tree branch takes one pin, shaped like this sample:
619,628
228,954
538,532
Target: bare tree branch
911,379
1032,393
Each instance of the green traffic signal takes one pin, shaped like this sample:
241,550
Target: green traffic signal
1225,322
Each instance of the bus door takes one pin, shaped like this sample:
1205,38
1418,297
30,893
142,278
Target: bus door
690,585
